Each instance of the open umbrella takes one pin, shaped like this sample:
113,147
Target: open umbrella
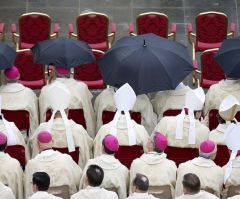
62,52
228,57
7,56
149,63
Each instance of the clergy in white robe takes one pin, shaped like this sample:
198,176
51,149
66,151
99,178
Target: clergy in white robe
80,99
105,102
210,175
93,180
116,175
11,172
218,92
169,100
60,167
6,192
153,161
15,96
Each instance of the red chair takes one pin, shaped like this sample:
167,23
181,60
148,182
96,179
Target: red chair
74,154
107,116
76,115
126,154
31,75
90,73
153,22
17,152
92,27
180,155
223,155
172,112
2,31
21,118
33,27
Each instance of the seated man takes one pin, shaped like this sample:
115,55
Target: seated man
40,186
6,192
153,161
105,102
127,131
11,172
191,188
15,96
185,130
80,99
110,166
60,167
93,180
140,186
211,175
168,100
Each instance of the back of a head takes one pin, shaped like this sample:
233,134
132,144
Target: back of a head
141,183
3,141
191,183
41,180
94,175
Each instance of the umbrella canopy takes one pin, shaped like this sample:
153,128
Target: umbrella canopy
228,57
147,62
62,52
7,56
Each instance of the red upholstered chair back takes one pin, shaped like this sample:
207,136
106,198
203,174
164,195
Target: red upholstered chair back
210,68
172,112
17,152
126,154
21,118
29,71
223,155
34,27
211,27
152,22
180,155
89,72
74,154
107,116
92,27
77,115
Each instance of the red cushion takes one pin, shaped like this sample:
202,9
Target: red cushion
205,46
26,45
206,83
17,152
100,46
223,155
74,154
97,84
38,84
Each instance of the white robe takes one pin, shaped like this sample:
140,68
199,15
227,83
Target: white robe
43,195
58,130
141,196
122,135
200,195
210,175
105,102
6,192
235,197
218,92
80,98
167,126
217,135
167,100
94,193
151,163
60,167
11,174
15,96
115,174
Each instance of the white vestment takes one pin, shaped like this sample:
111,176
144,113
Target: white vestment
140,196
200,195
6,192
80,99
43,195
217,135
235,197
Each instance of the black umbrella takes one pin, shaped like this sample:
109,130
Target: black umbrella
7,56
228,57
148,63
62,52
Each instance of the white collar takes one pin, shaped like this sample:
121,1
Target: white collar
140,195
41,193
47,152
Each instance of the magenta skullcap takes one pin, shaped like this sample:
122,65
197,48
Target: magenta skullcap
44,137
3,138
12,73
160,141
111,143
207,146
62,71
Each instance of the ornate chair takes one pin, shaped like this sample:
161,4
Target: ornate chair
90,73
74,154
2,33
31,75
211,73
92,27
17,152
33,27
153,22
